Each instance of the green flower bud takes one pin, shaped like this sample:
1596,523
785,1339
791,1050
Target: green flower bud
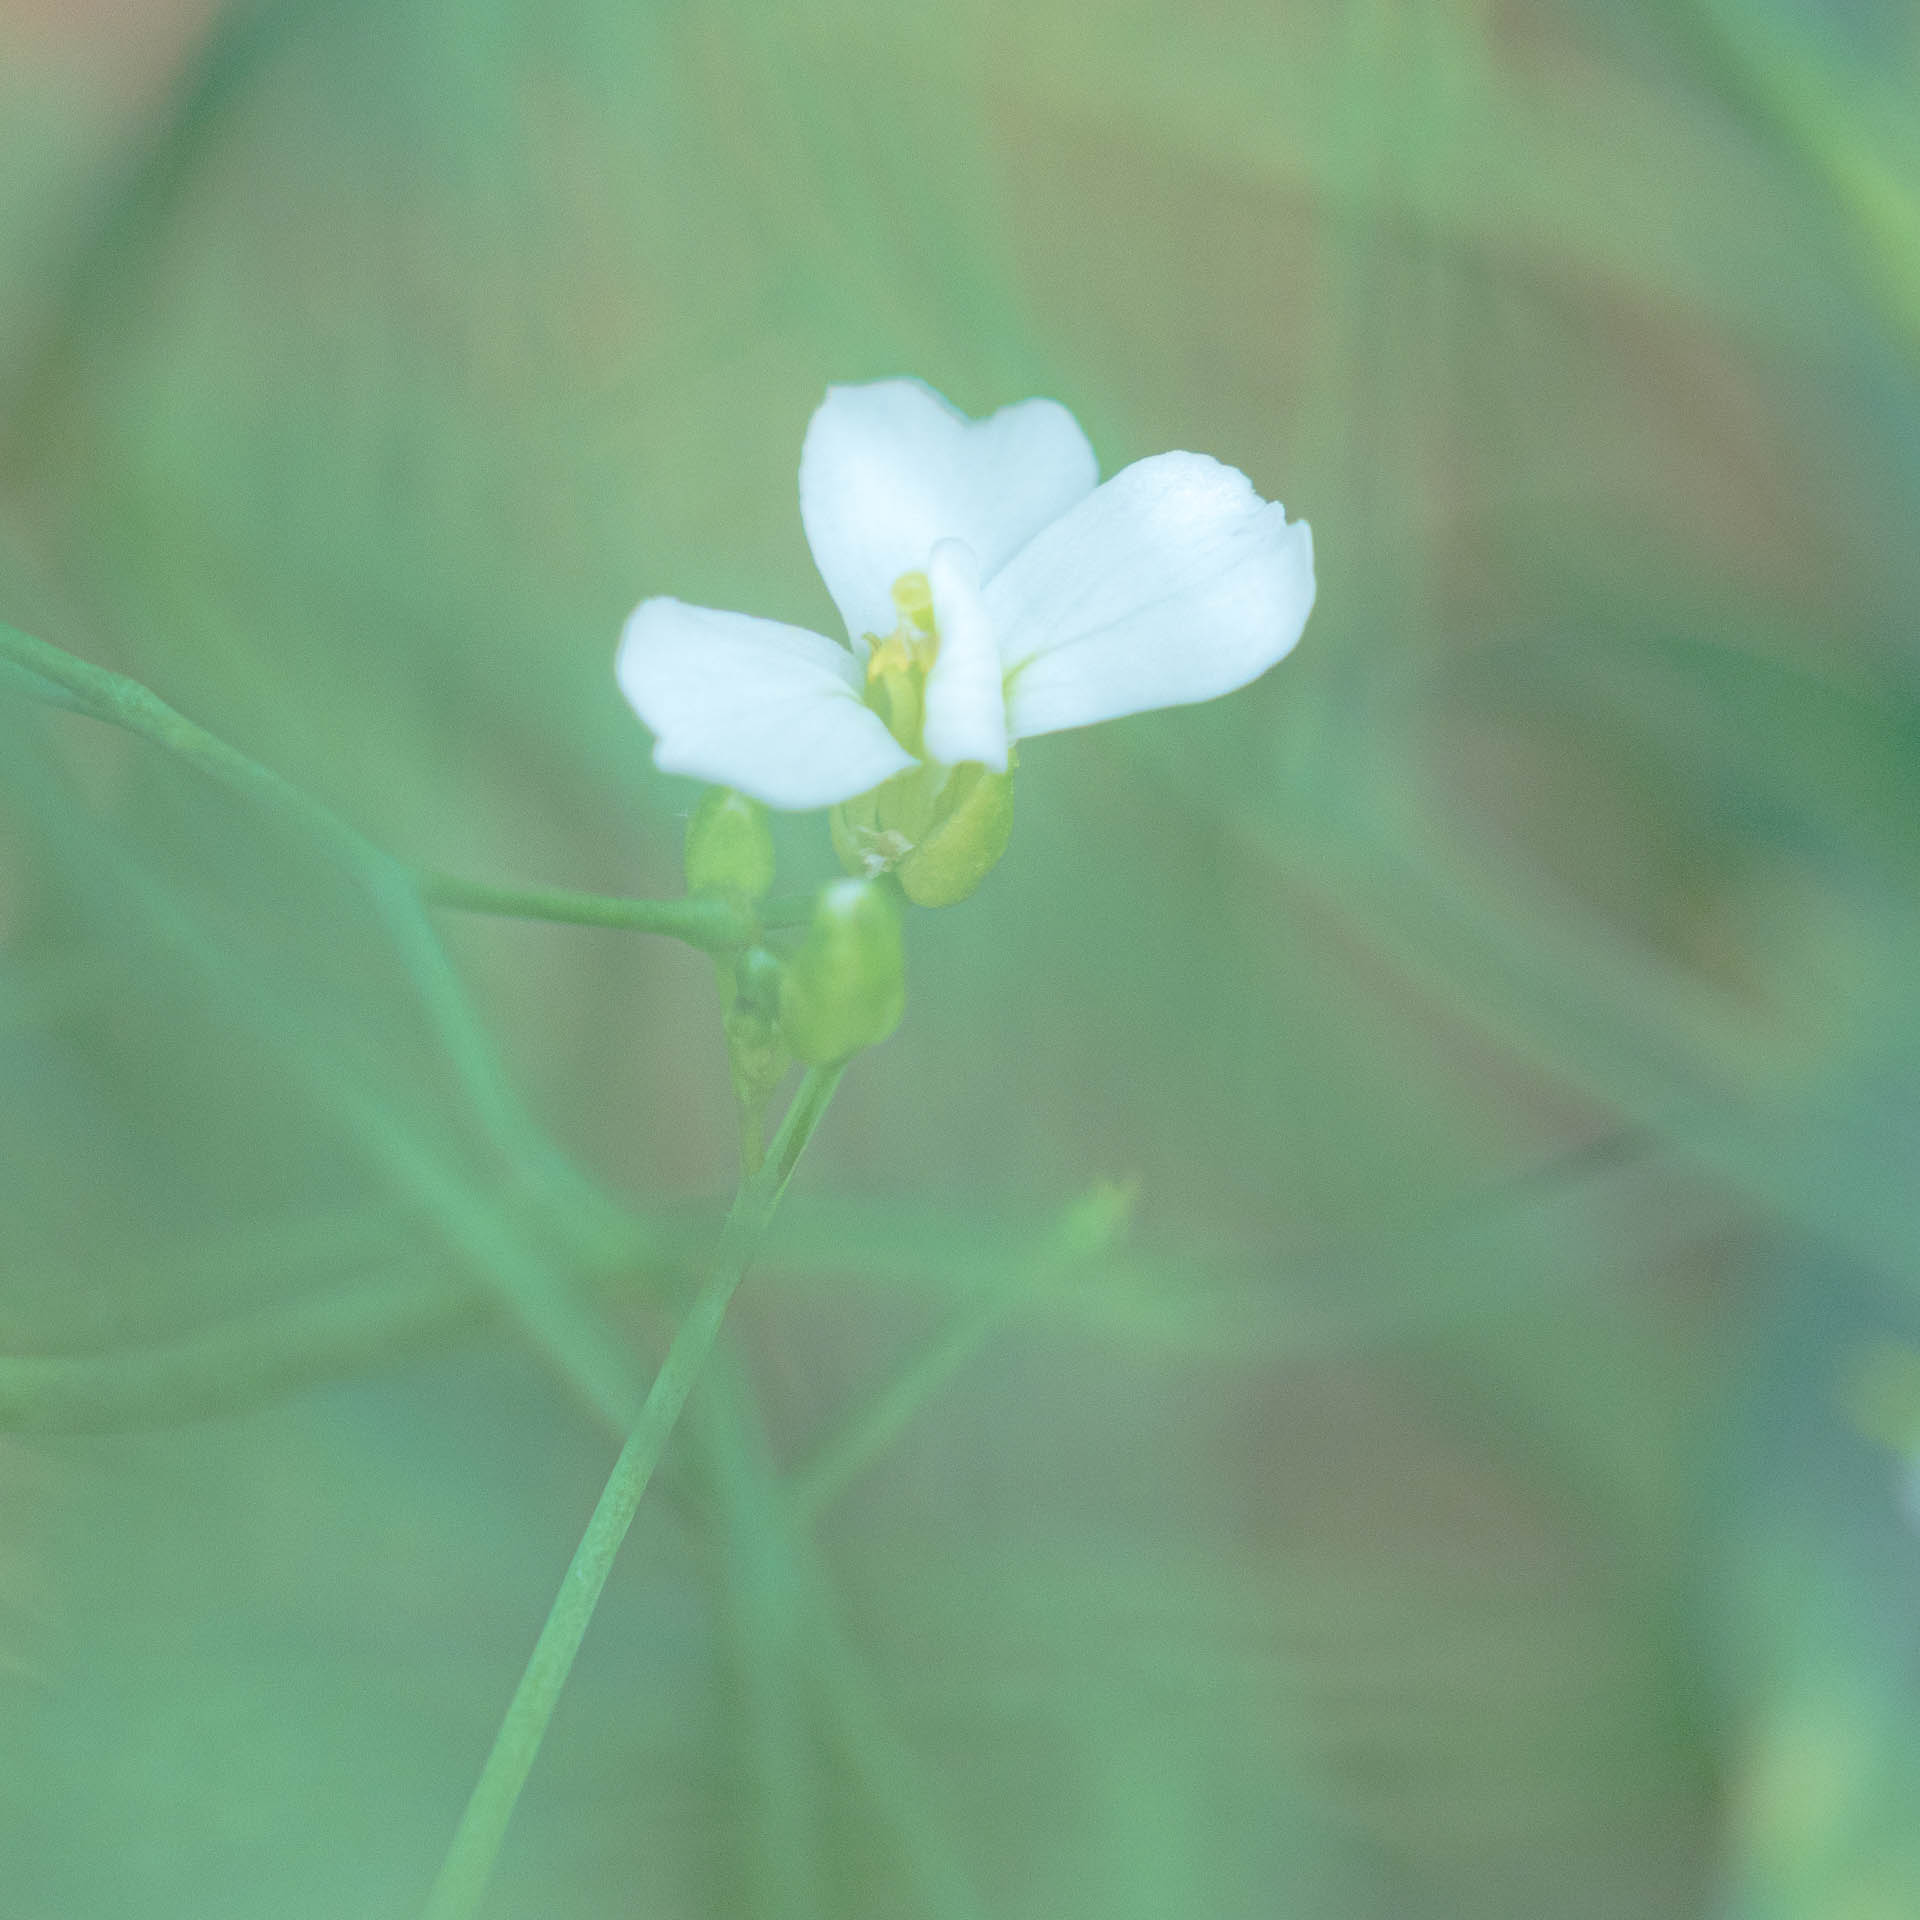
846,987
729,849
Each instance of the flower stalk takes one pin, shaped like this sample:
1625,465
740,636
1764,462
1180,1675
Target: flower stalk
468,1867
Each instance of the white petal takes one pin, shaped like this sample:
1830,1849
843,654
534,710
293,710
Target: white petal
890,468
1174,582
770,709
966,704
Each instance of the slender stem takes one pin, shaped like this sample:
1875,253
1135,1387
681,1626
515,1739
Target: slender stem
125,703
709,921
868,1436
58,678
1086,1232
463,1876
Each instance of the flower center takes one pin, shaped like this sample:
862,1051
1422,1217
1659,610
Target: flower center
938,828
897,666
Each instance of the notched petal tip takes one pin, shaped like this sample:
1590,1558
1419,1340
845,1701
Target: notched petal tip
1172,583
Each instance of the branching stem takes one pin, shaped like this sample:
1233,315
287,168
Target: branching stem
57,678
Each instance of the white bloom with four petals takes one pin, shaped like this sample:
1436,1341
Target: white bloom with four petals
1055,601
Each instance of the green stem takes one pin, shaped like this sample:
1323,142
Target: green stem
125,703
709,921
463,1876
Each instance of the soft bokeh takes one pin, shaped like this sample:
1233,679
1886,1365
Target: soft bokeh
1374,1291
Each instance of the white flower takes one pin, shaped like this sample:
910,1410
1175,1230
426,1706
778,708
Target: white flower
991,591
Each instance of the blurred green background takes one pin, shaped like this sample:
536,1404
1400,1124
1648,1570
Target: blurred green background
1470,1475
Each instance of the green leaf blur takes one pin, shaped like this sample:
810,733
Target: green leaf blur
1354,1356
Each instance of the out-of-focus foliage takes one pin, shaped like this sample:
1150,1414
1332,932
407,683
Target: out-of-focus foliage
1457,1496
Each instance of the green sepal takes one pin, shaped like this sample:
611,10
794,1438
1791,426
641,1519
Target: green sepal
874,832
942,830
970,833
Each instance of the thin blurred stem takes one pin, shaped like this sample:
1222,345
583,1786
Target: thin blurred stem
1778,81
236,1364
238,41
57,678
482,1231
759,1603
1088,1231
861,1723
469,1863
858,1720
873,1429
398,895
123,702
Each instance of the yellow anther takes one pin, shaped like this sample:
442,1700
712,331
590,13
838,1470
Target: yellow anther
913,595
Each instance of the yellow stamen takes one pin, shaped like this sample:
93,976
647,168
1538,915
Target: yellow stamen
913,595
913,643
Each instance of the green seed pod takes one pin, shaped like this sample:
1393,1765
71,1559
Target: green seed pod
729,849
846,987
969,834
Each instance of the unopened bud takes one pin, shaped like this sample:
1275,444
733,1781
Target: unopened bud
729,849
845,988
